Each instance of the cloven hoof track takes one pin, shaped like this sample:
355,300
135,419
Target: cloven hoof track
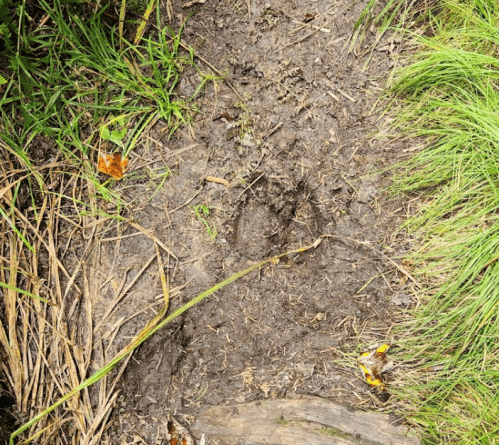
263,220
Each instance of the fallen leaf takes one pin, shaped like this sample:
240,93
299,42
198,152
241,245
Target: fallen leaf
113,165
373,363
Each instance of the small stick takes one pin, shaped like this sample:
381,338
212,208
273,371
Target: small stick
183,205
152,237
347,96
319,28
165,206
180,150
249,186
271,132
217,180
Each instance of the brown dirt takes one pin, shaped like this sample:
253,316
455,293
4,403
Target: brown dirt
299,162
8,421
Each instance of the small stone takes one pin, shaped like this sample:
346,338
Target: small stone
306,369
401,299
366,193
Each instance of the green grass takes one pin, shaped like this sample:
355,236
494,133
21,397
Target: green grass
447,93
202,214
79,81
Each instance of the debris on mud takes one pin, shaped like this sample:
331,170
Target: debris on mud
373,364
278,155
281,162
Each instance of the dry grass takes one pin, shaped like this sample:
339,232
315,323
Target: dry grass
50,341
48,335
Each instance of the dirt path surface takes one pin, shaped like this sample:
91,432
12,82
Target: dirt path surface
287,161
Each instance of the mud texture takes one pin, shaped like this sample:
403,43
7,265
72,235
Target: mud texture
8,420
298,160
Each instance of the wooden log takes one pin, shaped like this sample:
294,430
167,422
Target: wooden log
304,420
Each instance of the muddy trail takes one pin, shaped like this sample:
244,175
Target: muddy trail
286,157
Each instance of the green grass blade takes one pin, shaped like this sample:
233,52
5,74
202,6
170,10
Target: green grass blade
29,294
147,332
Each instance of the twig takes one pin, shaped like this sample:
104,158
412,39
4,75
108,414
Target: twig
217,180
180,150
249,186
167,213
152,237
319,28
183,205
347,96
271,132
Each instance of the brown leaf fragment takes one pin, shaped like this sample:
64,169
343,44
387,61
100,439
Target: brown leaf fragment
113,165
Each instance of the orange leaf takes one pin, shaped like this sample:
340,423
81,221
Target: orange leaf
113,165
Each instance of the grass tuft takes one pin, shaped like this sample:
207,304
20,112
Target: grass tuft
76,80
203,214
447,92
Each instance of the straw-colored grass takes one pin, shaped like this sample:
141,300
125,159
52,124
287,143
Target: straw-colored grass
47,337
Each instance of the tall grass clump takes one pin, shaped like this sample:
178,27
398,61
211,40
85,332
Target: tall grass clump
71,72
77,78
447,92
